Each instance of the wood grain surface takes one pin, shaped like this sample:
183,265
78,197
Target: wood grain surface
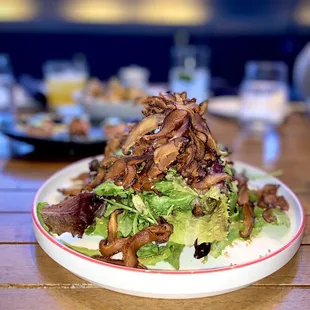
29,279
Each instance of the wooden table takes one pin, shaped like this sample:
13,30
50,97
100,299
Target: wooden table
29,279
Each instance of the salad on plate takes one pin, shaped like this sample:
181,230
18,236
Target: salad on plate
164,184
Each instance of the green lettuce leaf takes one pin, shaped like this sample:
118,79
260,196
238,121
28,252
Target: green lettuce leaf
82,250
110,209
110,189
213,193
175,250
252,196
232,197
100,228
139,204
176,195
125,223
159,205
209,228
229,169
164,205
218,247
282,218
236,226
175,187
115,205
260,223
151,254
40,206
150,249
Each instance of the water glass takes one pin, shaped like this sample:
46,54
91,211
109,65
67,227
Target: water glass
62,79
264,95
190,72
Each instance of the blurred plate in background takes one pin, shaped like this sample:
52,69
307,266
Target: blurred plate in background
97,109
224,106
59,142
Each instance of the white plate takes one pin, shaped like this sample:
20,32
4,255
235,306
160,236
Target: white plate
98,109
243,264
224,106
229,106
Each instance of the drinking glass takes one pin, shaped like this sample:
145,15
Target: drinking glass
6,83
264,95
190,72
62,79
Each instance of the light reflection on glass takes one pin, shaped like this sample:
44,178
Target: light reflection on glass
257,149
271,148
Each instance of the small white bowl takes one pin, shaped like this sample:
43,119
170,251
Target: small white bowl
97,109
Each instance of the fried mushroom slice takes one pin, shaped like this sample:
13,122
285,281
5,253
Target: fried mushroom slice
112,245
268,217
249,220
70,191
158,233
268,198
115,143
203,107
172,121
129,178
182,130
147,125
112,226
116,170
97,181
210,180
83,177
198,211
243,194
200,146
133,160
166,154
270,189
109,249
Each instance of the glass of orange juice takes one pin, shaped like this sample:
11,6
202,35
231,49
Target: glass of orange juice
62,78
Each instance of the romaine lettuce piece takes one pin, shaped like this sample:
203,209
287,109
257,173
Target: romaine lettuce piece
110,189
82,250
208,228
154,256
175,250
151,254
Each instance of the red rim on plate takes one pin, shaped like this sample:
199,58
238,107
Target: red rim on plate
158,271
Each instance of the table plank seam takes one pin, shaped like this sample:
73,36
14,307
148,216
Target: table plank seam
15,212
44,286
18,189
17,242
90,286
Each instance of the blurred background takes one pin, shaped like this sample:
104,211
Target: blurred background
60,52
114,33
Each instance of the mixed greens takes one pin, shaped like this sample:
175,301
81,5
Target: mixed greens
164,186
